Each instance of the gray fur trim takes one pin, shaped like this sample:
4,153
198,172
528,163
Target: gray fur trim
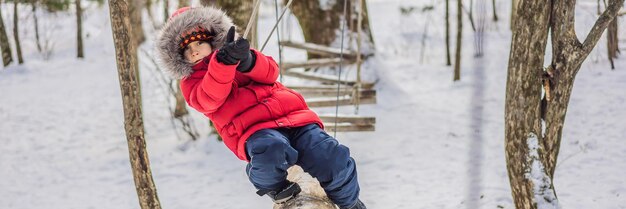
215,20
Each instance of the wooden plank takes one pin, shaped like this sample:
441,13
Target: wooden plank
341,127
331,102
319,49
355,120
323,87
325,78
333,93
315,63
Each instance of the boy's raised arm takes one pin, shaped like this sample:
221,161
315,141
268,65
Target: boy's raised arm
206,91
265,69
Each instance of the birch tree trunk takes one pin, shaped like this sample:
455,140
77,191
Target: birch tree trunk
240,11
321,21
531,117
5,48
16,34
79,31
459,39
131,98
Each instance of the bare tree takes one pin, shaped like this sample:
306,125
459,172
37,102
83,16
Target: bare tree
459,39
16,34
7,58
34,10
79,31
448,62
534,121
131,98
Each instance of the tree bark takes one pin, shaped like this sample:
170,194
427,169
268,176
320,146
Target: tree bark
5,48
79,31
612,41
459,39
321,25
514,4
131,98
183,3
448,62
528,112
34,10
240,11
16,34
135,9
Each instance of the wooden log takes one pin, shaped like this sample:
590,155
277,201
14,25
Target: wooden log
312,195
320,87
320,49
315,63
333,93
325,78
356,120
347,127
330,101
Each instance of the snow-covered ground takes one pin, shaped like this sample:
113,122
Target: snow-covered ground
438,143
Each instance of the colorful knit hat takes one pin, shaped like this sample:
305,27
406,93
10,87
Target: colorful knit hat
182,28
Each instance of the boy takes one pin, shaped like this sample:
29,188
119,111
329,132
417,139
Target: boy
260,120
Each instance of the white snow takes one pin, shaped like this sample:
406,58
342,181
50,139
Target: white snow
438,143
544,195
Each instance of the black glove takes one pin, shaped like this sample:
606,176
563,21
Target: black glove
236,51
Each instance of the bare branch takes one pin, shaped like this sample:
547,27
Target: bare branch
601,24
621,14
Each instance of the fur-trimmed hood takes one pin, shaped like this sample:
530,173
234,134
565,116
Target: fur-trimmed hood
167,48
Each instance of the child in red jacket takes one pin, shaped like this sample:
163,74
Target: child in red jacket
260,120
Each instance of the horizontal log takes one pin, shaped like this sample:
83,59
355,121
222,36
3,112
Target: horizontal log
331,102
333,93
315,63
319,49
345,127
354,120
321,87
325,78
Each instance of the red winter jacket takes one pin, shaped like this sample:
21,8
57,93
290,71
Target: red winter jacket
240,104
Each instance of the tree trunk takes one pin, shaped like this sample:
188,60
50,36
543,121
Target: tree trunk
135,9
529,117
79,31
16,34
166,10
240,11
208,3
495,14
183,3
34,10
459,39
320,22
448,62
131,98
181,105
5,48
612,41
514,4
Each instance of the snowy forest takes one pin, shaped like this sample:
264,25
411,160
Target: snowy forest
473,104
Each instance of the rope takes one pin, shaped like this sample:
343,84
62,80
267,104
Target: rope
280,48
252,19
343,29
276,25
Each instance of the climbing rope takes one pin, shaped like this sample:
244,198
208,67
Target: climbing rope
343,29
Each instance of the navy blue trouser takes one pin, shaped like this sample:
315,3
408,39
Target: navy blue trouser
272,151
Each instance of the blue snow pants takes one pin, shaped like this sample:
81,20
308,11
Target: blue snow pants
272,151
